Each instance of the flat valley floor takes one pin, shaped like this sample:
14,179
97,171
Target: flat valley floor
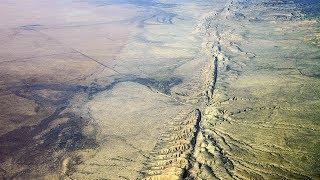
158,89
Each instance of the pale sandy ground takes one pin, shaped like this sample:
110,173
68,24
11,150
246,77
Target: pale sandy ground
93,85
262,116
167,90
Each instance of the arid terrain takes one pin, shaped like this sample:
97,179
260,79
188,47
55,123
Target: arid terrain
159,89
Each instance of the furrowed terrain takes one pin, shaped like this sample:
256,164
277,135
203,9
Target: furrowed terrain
104,89
261,120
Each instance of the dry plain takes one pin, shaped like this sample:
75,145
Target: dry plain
162,89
